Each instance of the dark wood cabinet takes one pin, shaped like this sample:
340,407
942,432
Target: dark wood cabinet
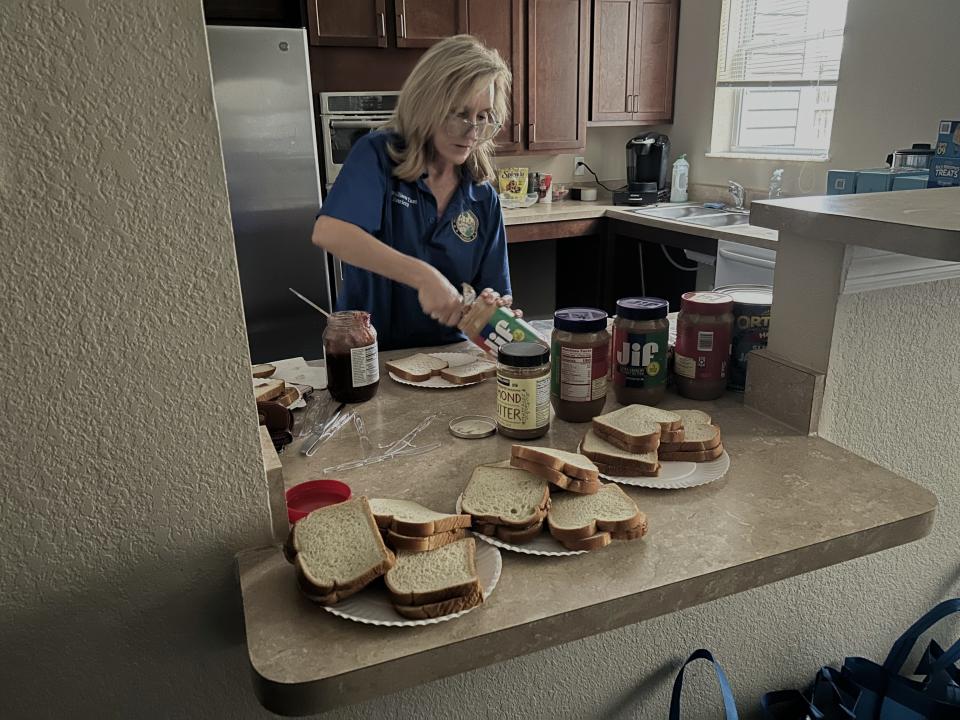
558,41
421,23
634,61
655,60
499,24
351,23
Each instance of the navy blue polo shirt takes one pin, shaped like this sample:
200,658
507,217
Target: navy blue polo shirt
467,244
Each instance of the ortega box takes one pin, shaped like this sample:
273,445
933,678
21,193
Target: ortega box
948,139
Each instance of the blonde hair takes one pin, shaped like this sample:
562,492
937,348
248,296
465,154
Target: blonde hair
444,80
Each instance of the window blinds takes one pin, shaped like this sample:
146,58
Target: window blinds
780,43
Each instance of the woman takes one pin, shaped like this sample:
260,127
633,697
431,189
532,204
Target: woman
412,214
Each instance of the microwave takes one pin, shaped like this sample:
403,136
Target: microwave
345,117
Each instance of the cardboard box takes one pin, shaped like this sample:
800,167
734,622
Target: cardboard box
948,139
881,180
910,182
841,182
944,172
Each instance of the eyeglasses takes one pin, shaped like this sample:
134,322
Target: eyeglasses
458,126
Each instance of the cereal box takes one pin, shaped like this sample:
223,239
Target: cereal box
513,183
944,171
948,139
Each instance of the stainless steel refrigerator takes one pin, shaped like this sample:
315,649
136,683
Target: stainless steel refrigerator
261,85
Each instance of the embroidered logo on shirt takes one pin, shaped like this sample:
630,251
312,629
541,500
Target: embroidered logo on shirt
400,199
466,225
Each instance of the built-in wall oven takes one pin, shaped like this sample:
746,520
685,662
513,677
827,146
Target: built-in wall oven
345,117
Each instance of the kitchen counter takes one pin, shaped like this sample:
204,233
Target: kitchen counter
579,210
789,504
919,223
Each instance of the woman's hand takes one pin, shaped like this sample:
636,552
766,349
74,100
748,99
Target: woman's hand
492,297
438,298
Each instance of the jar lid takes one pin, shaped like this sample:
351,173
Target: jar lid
642,308
473,427
523,354
580,320
706,303
748,294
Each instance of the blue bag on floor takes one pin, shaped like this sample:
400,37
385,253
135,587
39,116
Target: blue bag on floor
729,706
864,690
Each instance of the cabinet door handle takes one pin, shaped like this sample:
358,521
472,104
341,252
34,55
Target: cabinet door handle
403,25
629,103
532,132
516,132
636,103
383,24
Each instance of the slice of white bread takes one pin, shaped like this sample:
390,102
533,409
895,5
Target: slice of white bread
444,607
338,551
693,455
406,517
514,536
693,417
577,517
606,453
636,427
695,437
263,370
431,577
416,367
474,372
506,496
593,542
556,477
407,543
267,388
622,471
572,464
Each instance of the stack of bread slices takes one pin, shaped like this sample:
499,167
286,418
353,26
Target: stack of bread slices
634,440
511,503
410,527
507,503
338,550
420,367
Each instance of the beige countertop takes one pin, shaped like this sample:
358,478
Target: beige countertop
789,504
922,223
579,210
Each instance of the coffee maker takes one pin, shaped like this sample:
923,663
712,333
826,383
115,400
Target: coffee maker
648,168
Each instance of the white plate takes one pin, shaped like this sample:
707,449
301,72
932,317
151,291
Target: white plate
543,544
676,475
372,606
453,359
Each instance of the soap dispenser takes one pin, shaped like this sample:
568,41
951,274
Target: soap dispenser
776,184
678,183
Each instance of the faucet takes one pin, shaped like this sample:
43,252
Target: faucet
737,193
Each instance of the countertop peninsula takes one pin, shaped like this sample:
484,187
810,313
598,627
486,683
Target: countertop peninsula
789,504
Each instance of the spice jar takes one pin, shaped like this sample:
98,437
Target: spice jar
523,390
580,351
350,350
702,353
639,352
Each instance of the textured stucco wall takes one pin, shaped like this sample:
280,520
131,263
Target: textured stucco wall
130,466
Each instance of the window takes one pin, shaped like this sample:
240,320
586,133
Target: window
777,71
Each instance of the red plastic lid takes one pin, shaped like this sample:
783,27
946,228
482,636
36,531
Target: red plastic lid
306,497
706,303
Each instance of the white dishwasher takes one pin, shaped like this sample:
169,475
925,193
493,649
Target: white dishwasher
739,264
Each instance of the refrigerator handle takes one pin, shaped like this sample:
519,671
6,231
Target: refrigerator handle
382,19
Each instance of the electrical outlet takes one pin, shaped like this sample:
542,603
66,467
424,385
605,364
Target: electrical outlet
578,169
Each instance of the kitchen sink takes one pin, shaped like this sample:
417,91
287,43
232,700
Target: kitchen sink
676,213
720,219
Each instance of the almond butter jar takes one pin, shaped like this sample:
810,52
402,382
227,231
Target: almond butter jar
523,390
580,350
639,353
